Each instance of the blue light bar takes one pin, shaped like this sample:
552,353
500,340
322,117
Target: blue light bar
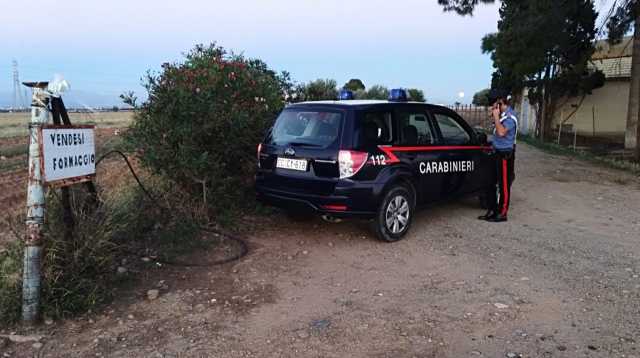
398,95
346,95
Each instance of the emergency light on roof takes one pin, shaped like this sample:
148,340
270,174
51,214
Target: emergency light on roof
398,95
346,95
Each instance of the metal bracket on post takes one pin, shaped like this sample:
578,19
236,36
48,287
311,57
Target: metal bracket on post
35,206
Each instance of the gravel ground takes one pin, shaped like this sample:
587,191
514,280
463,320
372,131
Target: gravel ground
560,279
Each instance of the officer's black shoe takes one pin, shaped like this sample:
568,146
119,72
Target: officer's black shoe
488,215
497,218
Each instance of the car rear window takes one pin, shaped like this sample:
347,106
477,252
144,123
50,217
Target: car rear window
306,128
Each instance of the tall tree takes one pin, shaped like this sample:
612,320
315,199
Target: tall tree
544,45
625,14
354,84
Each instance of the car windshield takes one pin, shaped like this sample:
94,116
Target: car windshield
306,128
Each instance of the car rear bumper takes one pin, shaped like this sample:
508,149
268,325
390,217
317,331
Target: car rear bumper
345,202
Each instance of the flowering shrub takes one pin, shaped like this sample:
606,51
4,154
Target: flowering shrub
203,120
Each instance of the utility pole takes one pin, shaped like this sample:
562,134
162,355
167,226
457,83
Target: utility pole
35,206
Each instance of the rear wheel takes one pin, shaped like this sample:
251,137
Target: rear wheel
394,215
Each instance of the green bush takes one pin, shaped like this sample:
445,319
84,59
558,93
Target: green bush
78,272
203,120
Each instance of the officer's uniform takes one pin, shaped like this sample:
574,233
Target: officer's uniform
499,198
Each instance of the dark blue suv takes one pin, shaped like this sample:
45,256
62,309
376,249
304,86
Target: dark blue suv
368,159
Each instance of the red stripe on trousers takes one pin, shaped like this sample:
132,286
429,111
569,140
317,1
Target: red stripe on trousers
505,189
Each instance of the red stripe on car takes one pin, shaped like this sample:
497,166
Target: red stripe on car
388,150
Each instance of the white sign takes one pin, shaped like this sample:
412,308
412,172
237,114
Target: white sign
68,153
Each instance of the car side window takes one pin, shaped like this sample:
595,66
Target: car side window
414,129
375,128
452,132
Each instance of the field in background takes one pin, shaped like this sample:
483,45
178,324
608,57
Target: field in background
14,148
15,124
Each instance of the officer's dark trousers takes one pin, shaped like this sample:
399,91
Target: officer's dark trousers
500,196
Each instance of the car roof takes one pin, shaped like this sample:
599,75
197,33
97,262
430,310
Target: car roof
360,104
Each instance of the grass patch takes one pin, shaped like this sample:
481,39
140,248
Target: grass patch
556,149
80,271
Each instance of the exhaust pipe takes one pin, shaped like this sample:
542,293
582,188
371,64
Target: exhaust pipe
330,219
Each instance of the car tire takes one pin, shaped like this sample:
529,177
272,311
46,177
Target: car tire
398,203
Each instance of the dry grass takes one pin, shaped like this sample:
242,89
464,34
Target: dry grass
15,124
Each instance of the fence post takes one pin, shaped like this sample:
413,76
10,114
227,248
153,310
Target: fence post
35,207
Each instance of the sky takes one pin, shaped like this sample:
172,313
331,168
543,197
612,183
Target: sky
104,48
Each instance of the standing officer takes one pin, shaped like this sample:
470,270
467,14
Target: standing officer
504,139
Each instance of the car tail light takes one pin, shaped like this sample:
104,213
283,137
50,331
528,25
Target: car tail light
350,162
334,207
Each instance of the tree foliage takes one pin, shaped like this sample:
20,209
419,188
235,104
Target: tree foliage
354,85
203,118
318,90
375,92
416,95
622,19
544,45
462,7
481,98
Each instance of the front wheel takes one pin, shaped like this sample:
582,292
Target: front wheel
394,215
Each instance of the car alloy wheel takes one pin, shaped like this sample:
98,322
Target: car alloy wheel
394,215
397,214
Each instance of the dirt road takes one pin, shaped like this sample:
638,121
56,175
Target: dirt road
560,279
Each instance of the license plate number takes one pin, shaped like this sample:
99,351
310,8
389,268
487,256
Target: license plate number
293,164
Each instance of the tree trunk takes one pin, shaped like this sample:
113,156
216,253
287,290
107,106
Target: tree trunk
632,135
544,125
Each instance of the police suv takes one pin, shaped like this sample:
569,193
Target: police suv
369,159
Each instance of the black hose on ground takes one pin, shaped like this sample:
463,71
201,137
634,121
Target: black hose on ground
244,249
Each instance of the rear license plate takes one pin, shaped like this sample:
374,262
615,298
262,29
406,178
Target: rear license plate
293,164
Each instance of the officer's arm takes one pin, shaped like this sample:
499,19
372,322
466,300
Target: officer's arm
502,128
501,131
